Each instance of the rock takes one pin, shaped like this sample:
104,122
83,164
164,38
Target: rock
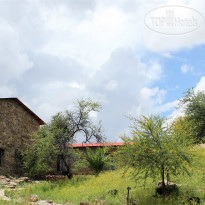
33,198
2,177
170,187
3,197
102,201
10,177
8,180
83,203
50,201
19,181
13,184
4,182
25,179
36,182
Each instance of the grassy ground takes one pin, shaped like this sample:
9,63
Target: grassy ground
98,190
90,189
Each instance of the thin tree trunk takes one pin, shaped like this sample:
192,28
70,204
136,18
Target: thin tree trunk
163,183
68,172
168,178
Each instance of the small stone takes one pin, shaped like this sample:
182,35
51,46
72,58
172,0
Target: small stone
24,179
4,182
2,177
94,200
33,198
102,201
83,203
50,201
13,184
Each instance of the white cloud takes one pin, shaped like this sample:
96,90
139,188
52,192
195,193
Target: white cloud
108,26
13,62
98,33
180,111
200,85
167,55
55,52
155,71
150,98
6,91
186,68
77,85
111,85
166,107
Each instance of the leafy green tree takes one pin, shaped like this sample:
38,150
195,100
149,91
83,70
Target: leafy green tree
155,149
52,141
97,160
38,158
193,104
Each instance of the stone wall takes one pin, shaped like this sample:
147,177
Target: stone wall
16,125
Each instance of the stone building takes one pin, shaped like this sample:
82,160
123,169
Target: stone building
17,122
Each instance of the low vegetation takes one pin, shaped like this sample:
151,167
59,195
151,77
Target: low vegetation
97,161
110,187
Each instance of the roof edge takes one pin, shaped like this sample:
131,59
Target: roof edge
41,122
108,144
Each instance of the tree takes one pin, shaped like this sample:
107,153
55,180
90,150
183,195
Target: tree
97,161
155,149
37,158
193,104
59,134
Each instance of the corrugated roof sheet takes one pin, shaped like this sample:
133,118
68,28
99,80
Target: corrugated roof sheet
98,144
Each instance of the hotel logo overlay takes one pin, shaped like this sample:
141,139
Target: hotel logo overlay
173,20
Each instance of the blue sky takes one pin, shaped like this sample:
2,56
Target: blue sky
174,80
55,52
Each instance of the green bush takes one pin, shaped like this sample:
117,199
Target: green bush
97,161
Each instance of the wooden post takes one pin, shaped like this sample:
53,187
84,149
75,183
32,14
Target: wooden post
128,190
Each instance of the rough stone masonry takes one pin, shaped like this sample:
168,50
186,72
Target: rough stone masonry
17,123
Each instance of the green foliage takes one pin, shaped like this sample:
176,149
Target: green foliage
52,141
89,188
38,158
77,159
155,148
97,160
194,108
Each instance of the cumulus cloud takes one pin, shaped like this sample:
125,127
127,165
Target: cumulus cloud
13,62
200,85
54,52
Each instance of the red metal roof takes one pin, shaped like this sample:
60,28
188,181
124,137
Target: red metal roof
41,122
98,144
